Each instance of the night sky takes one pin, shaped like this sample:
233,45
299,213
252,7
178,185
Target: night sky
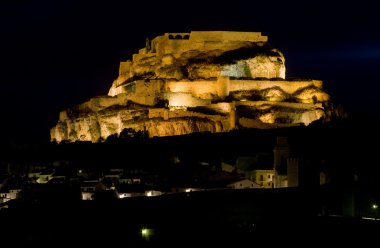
56,54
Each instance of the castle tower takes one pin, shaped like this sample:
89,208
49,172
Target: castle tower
281,153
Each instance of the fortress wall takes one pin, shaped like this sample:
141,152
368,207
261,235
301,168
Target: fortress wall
198,40
126,115
158,45
99,103
222,122
157,113
222,107
63,116
177,47
179,99
294,105
196,92
125,72
179,113
120,80
148,88
227,36
223,86
125,67
114,90
142,92
143,100
203,89
288,86
139,56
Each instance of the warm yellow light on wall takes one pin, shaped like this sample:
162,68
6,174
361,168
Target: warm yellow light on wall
267,118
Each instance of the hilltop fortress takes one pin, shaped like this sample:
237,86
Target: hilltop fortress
181,83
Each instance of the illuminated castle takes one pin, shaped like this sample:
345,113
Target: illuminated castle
211,81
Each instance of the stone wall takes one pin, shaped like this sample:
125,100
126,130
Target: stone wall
201,88
291,105
194,93
226,36
184,100
143,92
204,89
288,86
203,40
159,113
125,68
221,107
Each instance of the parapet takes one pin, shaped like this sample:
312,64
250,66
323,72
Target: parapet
196,39
225,36
222,36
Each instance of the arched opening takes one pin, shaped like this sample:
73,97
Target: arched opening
178,37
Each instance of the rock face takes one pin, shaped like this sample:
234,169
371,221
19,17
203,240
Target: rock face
210,81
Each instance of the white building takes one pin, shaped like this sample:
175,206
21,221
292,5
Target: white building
244,184
264,178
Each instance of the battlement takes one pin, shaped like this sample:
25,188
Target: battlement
222,36
201,40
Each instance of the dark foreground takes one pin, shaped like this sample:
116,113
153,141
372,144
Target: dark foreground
213,219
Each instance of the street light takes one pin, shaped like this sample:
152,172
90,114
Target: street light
375,208
146,233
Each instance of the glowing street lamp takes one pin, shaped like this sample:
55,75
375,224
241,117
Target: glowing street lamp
146,233
374,208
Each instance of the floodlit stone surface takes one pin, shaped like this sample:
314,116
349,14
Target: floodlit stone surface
210,81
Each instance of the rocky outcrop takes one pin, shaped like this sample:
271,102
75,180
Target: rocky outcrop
197,82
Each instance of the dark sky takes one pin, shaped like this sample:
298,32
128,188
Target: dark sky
55,54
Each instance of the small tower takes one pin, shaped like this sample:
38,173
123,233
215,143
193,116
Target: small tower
147,45
285,166
281,153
